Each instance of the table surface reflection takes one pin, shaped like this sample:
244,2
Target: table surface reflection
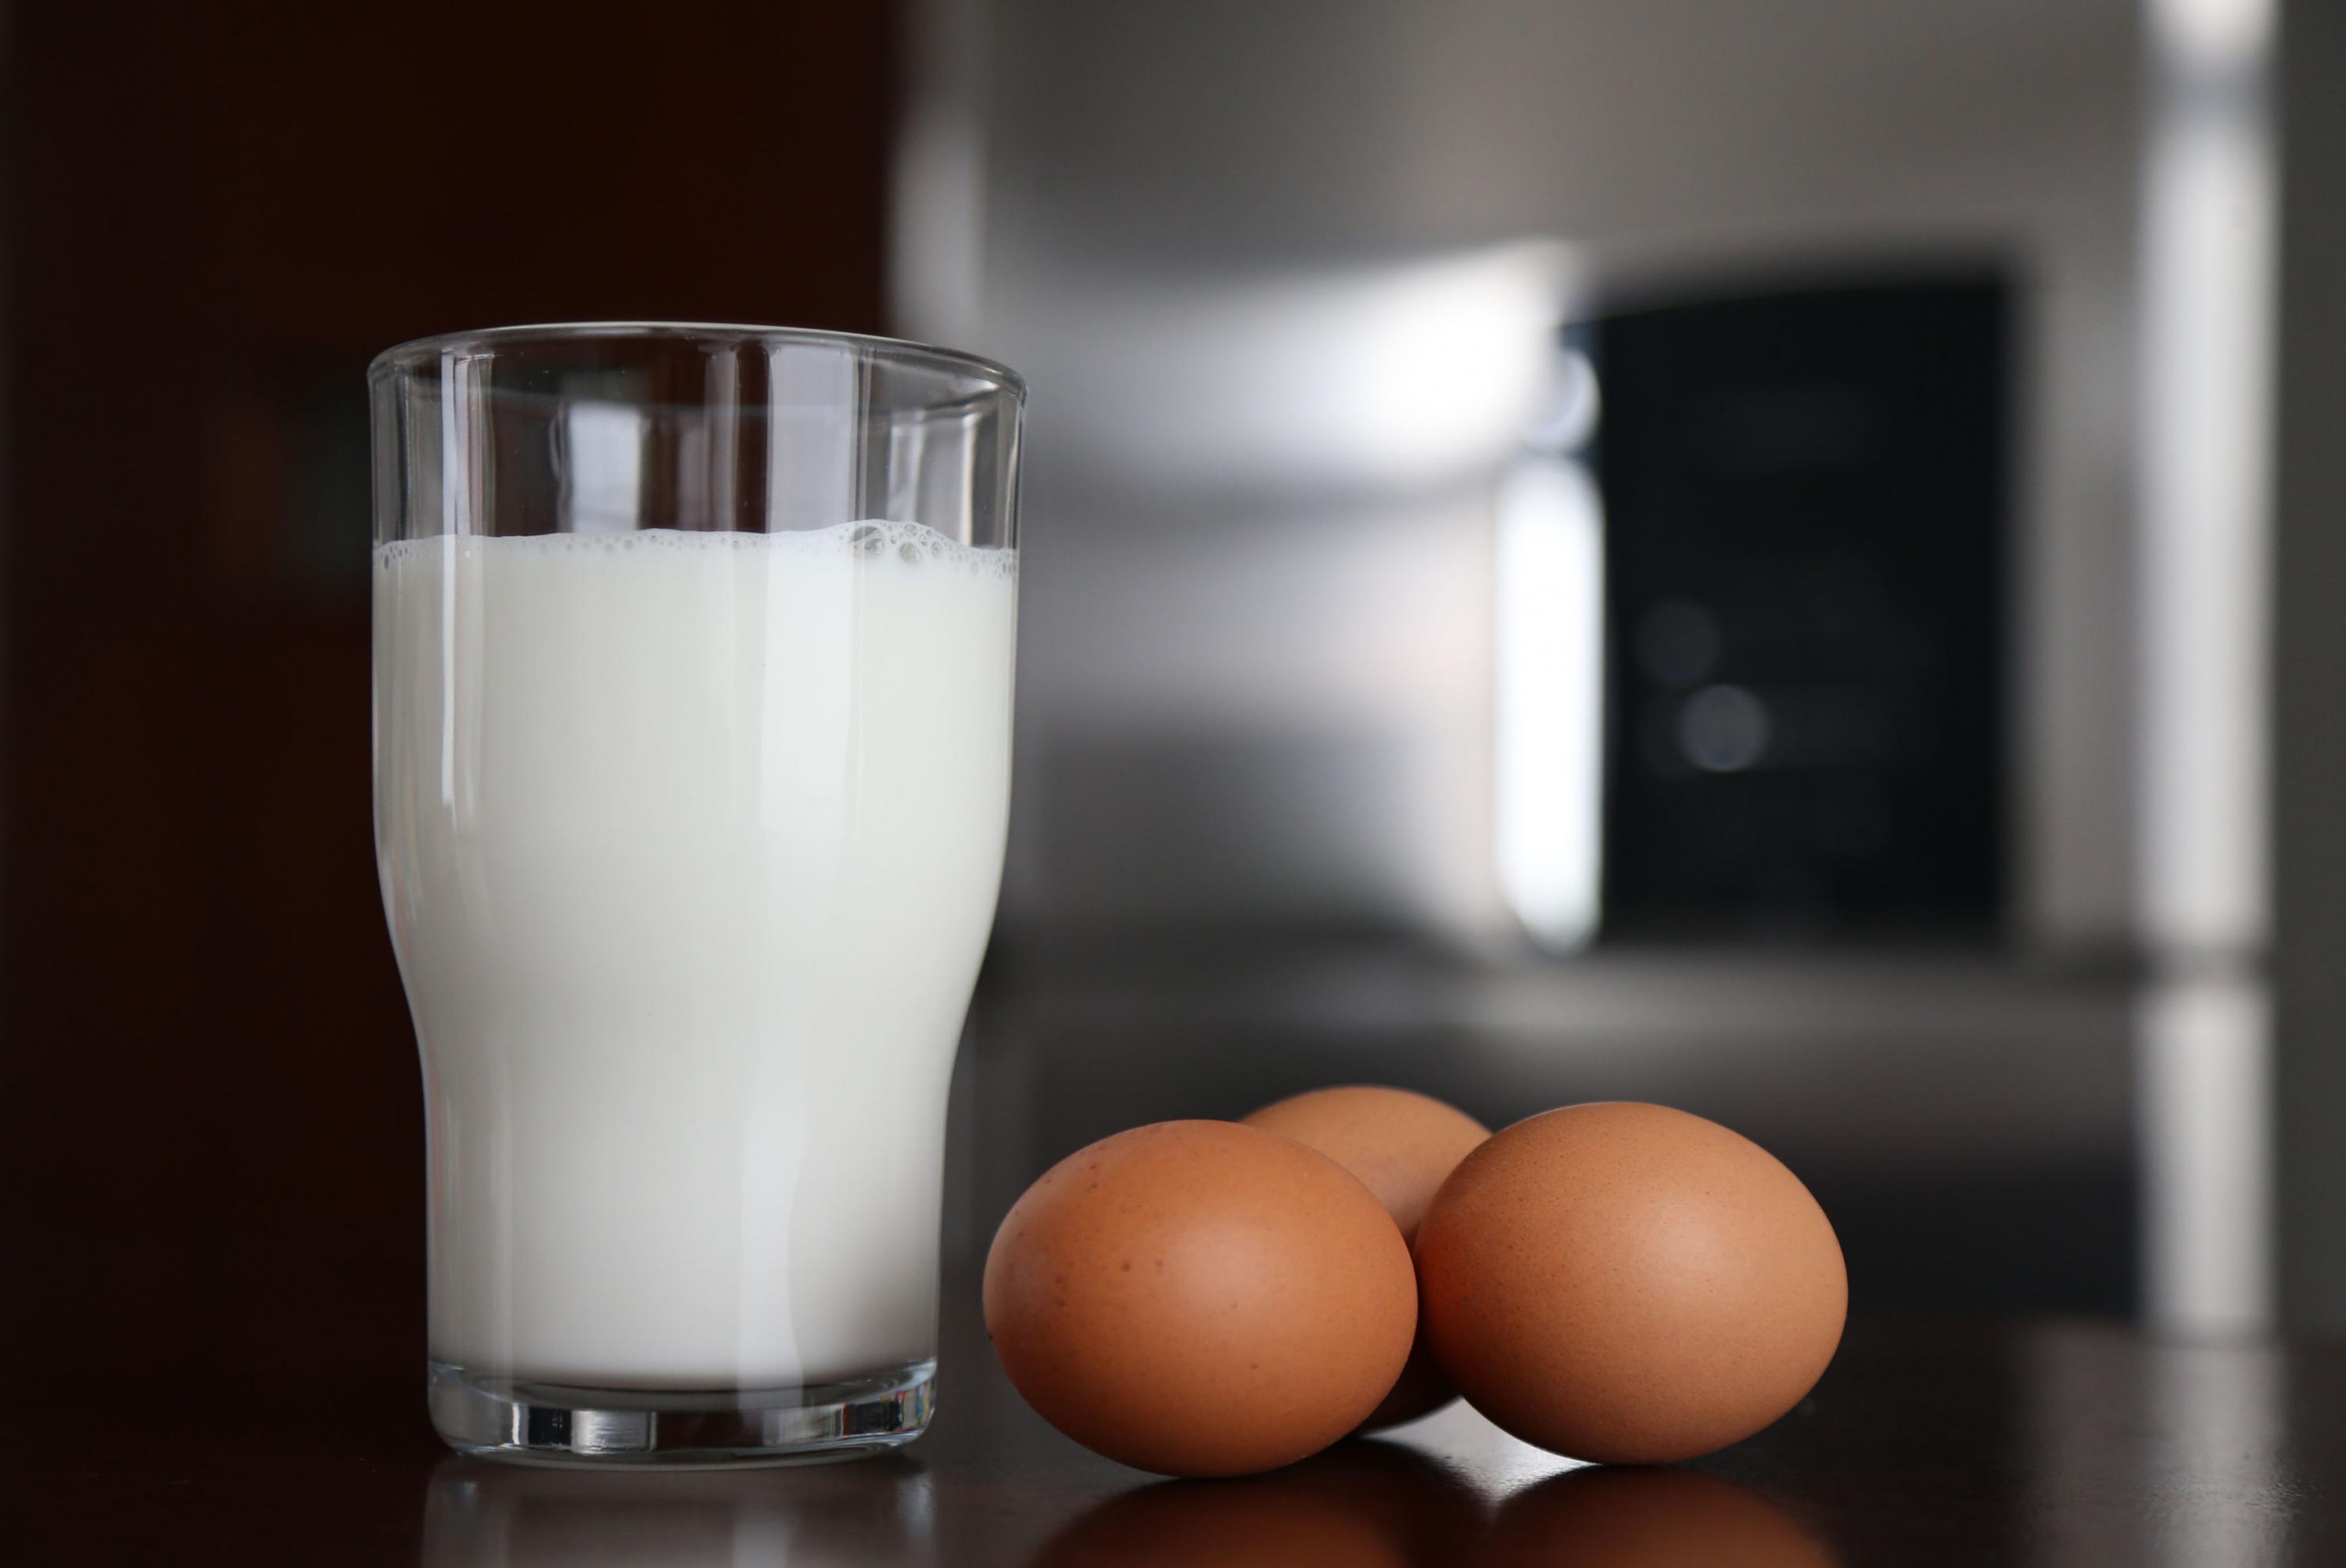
2035,1443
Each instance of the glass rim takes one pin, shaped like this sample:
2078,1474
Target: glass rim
418,352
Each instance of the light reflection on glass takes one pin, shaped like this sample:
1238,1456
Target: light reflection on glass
602,456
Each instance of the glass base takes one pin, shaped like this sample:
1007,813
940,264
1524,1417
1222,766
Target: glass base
533,1423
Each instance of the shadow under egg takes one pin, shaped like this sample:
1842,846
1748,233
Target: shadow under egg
1361,1504
1649,1517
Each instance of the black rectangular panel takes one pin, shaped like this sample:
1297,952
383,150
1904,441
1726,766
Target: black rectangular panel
1805,502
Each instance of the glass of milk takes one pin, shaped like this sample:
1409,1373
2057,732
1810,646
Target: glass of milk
693,651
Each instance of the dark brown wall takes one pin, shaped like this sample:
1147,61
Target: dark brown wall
214,214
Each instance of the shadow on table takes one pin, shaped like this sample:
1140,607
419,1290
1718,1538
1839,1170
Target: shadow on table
1366,1504
486,1515
1384,1505
1648,1518
1359,1505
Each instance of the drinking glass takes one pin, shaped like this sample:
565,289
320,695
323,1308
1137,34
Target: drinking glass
693,653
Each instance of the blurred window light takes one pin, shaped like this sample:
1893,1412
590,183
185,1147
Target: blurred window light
1550,624
2208,287
602,459
2203,1103
2211,35
1411,374
2208,313
1445,359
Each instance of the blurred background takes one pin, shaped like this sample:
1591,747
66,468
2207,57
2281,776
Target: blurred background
1774,558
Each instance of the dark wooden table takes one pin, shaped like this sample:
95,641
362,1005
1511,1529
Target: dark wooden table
2042,1444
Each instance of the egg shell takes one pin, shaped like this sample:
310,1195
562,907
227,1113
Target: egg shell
1200,1298
1630,1283
1403,1144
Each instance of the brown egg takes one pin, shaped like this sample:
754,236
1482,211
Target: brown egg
1630,1283
1200,1298
1402,1145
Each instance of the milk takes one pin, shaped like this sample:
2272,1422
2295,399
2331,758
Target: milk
690,844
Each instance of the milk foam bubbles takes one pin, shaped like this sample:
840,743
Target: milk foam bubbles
690,844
